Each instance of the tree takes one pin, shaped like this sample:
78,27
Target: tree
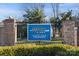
55,9
53,22
66,15
55,19
35,15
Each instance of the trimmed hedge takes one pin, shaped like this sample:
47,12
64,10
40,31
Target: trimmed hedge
39,50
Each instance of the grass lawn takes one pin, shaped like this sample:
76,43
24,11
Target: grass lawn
39,42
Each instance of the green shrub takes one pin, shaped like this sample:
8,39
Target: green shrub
8,51
39,50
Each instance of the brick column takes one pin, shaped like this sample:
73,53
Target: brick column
69,34
10,32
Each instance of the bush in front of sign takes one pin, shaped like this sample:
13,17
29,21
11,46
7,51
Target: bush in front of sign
46,50
39,50
6,51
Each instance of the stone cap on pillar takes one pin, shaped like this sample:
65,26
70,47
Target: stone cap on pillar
10,19
75,28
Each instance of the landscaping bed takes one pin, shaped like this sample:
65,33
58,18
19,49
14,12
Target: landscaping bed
39,50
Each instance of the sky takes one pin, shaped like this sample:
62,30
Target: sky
18,9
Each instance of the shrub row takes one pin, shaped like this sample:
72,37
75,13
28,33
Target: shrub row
39,50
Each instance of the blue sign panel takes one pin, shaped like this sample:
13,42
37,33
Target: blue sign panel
39,32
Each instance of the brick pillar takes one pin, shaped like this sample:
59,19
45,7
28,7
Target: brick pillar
10,32
1,35
69,33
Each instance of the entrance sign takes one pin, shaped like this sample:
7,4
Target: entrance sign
38,31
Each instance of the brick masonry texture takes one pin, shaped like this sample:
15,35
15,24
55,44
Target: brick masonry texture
70,32
8,32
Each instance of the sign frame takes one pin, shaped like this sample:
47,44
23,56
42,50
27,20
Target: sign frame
39,24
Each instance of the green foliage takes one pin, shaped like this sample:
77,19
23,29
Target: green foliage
35,15
66,15
57,23
39,50
6,51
